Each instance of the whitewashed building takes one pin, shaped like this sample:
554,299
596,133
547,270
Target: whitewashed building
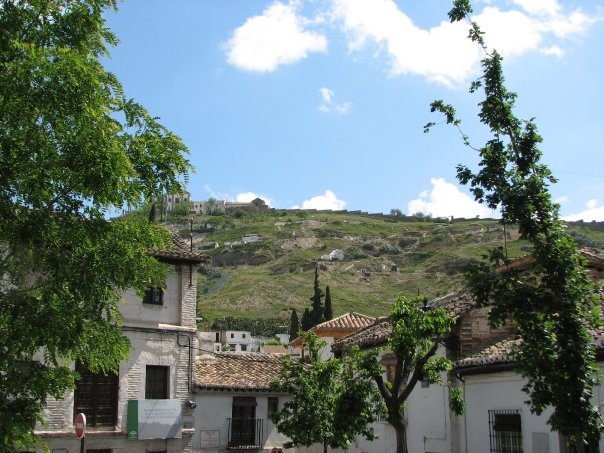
496,417
148,405
234,402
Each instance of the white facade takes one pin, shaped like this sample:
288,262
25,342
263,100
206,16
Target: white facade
503,392
173,200
239,341
215,408
163,344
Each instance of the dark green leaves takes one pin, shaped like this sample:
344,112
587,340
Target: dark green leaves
333,400
550,302
72,147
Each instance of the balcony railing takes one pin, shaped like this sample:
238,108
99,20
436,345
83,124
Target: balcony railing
245,433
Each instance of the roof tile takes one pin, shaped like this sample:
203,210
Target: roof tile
237,371
179,250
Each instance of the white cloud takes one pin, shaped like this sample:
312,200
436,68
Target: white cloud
275,38
553,50
510,32
514,33
445,200
443,53
536,7
242,197
588,215
561,200
329,105
328,200
246,197
591,204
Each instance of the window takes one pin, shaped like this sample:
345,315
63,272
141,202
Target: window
243,347
390,372
245,431
217,337
273,405
242,335
96,396
156,382
505,431
154,295
232,335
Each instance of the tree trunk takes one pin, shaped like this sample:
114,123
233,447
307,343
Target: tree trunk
401,436
324,447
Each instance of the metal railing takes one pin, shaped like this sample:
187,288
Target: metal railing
245,433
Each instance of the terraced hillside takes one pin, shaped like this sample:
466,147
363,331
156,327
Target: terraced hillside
263,264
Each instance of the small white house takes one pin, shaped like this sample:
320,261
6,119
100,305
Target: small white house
496,416
234,402
238,340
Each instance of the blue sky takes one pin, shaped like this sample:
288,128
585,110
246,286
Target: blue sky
320,103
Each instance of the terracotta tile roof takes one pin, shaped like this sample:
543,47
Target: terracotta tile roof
179,250
236,371
346,321
493,354
455,304
376,334
274,349
594,260
345,324
499,352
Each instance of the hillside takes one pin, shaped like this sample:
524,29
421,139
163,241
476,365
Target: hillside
263,264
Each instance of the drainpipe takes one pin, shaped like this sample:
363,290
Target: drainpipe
190,364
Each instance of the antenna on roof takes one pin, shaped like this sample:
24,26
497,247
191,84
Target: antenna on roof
191,220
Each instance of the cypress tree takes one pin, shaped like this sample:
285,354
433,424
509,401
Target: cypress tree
306,324
328,308
316,313
294,326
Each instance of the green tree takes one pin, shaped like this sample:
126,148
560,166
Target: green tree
416,334
72,147
328,308
294,325
333,400
182,209
306,323
549,304
396,212
317,309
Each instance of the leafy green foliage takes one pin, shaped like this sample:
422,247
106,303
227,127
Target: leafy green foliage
294,326
550,303
417,332
306,323
72,146
328,308
317,311
182,209
333,400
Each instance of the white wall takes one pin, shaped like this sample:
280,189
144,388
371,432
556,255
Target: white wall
214,408
135,312
503,390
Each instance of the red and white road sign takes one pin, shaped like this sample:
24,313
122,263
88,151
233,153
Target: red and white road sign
80,425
